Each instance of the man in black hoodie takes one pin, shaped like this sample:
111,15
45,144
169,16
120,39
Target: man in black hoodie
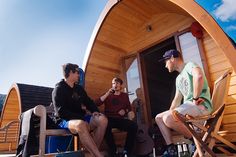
69,98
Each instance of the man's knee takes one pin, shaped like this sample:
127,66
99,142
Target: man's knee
169,121
79,126
102,121
158,119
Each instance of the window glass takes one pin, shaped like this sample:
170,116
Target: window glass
189,48
133,81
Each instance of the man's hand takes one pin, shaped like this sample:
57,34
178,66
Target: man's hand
131,115
199,101
111,91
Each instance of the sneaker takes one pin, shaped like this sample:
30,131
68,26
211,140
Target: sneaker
124,154
192,148
171,151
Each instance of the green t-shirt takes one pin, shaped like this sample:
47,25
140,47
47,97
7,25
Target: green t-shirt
184,83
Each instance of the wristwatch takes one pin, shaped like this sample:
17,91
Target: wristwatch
195,98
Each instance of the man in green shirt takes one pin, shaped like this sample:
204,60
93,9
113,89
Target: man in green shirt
192,87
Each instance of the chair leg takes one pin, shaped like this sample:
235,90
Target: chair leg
198,151
226,142
76,143
225,151
196,137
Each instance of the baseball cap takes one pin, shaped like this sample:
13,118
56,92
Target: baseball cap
168,54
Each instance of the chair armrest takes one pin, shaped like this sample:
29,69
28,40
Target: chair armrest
198,118
188,118
40,110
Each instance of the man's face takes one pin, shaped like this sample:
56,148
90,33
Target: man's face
116,85
170,65
75,76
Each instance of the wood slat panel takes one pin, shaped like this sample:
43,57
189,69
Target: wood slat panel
229,127
110,49
231,99
105,63
113,39
123,19
214,76
219,66
217,59
159,24
228,119
230,109
230,137
104,69
233,80
139,9
232,90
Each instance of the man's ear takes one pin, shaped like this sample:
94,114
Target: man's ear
172,58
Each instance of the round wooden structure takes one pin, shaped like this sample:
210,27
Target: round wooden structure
130,27
20,98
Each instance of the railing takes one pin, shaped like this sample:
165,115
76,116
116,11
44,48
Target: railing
9,134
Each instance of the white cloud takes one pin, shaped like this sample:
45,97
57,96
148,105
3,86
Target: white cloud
231,28
226,11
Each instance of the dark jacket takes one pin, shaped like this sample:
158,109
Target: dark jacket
68,101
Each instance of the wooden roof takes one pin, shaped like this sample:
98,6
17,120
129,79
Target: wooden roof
32,95
22,97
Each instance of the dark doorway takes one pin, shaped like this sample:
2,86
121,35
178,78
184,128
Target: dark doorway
160,83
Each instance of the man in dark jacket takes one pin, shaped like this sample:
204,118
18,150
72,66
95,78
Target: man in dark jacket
69,98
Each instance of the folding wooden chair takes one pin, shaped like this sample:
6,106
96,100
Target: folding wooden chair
205,136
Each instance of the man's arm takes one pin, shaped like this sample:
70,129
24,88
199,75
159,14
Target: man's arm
88,102
198,83
103,98
177,100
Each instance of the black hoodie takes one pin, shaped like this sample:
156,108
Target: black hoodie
67,101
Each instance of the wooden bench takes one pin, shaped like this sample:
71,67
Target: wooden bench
9,134
41,111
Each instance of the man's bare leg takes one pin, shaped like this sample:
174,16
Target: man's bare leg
176,125
98,125
165,131
81,127
165,121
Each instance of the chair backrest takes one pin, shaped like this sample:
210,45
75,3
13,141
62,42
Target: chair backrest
81,77
220,91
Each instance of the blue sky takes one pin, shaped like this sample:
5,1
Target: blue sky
38,36
224,12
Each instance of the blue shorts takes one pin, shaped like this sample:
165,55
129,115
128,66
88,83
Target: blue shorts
64,123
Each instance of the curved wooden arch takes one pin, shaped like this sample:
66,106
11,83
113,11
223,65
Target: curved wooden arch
10,113
210,26
11,107
121,32
192,8
100,21
20,98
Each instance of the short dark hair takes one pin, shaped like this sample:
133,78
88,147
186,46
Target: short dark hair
117,79
69,67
